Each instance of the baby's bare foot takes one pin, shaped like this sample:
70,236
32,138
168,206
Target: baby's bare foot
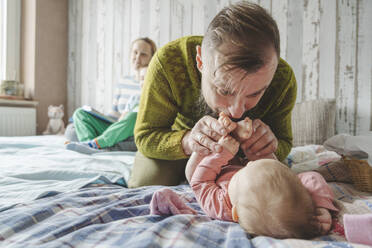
226,122
229,143
243,130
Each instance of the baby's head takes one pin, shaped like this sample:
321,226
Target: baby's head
269,199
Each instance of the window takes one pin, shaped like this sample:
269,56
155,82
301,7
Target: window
10,29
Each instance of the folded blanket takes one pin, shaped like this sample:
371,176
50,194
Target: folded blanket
358,228
310,157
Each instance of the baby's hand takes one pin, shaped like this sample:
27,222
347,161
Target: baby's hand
324,218
226,122
229,143
243,130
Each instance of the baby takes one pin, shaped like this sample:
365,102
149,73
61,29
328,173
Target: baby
264,191
265,197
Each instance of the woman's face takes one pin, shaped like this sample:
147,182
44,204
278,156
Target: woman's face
140,54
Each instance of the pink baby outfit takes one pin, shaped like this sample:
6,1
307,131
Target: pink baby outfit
166,201
211,180
320,192
210,183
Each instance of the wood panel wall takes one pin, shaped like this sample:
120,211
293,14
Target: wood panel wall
327,42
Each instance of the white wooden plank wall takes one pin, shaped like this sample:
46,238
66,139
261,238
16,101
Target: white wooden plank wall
345,90
364,69
327,42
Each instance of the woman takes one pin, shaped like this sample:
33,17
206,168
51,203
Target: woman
94,133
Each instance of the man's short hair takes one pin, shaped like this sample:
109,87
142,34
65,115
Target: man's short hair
250,30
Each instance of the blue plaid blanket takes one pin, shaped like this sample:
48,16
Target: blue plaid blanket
114,216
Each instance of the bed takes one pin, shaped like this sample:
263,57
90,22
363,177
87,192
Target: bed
52,197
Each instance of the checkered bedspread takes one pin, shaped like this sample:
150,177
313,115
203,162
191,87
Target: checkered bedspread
113,216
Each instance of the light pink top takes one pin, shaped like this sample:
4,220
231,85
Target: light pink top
211,179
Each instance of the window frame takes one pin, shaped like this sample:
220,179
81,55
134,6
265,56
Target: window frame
10,39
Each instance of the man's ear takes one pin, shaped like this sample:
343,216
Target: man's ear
235,214
199,62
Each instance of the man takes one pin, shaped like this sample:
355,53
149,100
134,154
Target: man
235,68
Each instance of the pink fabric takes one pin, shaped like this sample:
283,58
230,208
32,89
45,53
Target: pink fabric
321,193
358,228
166,202
210,184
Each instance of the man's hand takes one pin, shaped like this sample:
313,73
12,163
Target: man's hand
262,142
204,136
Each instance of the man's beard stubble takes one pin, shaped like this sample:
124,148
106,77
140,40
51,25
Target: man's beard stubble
201,108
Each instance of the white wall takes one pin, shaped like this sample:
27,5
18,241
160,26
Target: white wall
327,42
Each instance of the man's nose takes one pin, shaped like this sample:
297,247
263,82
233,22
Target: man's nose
237,109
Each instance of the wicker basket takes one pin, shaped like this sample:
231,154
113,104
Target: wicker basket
361,173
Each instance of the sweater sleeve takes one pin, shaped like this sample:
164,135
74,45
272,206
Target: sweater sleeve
279,117
212,198
157,111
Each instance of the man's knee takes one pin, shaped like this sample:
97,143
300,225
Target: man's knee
148,171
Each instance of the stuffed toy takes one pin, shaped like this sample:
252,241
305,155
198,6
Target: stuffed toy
55,124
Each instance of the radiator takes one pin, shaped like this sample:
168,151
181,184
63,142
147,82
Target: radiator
17,121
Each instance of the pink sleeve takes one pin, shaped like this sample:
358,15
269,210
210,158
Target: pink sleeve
212,198
165,202
321,193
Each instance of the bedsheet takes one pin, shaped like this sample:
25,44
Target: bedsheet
52,197
113,216
37,166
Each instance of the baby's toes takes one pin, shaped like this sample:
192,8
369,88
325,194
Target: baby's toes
226,121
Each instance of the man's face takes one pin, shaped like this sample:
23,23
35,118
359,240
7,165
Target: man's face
233,92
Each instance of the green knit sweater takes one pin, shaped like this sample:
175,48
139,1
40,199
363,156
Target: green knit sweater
173,86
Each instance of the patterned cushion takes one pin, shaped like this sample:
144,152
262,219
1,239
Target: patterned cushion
313,121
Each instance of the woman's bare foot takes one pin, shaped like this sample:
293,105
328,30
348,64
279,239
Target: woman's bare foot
229,143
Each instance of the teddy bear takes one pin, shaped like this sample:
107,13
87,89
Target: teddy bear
55,124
